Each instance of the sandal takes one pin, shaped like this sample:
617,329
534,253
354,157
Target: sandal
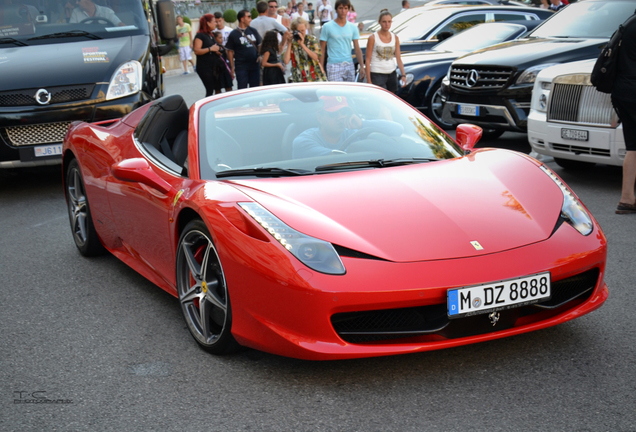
624,208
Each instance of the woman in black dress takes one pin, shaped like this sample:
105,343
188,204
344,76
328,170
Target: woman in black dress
273,69
206,50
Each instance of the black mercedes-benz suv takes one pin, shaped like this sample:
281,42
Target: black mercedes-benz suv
493,87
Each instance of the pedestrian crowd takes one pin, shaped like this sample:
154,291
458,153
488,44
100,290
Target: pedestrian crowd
280,46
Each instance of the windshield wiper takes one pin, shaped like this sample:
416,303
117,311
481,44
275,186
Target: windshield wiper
74,33
7,40
373,163
263,172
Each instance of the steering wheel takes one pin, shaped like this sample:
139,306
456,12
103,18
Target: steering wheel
99,20
232,153
360,133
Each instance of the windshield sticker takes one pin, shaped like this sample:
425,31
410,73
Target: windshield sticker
94,55
16,29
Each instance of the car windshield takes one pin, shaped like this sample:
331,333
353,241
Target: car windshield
586,20
314,128
413,23
480,36
30,22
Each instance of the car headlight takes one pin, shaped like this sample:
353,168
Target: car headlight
540,95
572,210
125,81
409,78
529,75
316,254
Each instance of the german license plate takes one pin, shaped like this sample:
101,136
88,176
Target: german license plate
574,134
508,294
48,150
468,110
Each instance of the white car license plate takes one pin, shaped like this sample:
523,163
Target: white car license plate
468,110
508,294
48,150
574,134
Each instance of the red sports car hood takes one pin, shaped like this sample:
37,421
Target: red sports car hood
438,210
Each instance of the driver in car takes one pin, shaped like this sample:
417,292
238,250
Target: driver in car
88,9
336,123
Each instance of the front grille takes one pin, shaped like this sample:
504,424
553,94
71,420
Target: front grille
490,78
577,150
60,94
432,321
568,289
579,103
45,133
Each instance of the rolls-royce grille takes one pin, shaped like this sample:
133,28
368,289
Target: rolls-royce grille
479,78
45,133
575,103
61,94
388,325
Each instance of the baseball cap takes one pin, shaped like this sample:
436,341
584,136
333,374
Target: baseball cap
334,103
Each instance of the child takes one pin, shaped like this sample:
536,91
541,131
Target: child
225,77
273,69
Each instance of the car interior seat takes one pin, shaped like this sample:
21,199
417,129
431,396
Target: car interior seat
164,128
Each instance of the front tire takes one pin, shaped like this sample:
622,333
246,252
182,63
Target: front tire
202,290
79,213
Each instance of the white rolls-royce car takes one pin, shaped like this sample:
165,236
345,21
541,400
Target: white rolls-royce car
573,122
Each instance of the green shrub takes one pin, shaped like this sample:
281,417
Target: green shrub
187,20
254,13
230,16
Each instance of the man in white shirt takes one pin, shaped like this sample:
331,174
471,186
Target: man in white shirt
325,12
301,14
87,9
220,26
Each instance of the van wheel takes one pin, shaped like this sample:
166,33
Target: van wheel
574,165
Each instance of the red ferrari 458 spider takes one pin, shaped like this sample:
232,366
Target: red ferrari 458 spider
331,221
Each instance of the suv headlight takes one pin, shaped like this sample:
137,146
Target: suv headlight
572,210
529,75
316,254
125,81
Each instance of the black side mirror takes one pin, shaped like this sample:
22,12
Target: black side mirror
167,25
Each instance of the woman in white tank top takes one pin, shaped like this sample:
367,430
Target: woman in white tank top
383,51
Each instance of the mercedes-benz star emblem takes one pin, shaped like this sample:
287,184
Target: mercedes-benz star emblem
472,78
43,97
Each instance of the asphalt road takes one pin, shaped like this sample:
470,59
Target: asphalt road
113,353
109,351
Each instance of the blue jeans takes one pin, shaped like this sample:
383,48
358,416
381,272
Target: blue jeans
245,77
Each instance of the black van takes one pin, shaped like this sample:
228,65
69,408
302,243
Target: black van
67,60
